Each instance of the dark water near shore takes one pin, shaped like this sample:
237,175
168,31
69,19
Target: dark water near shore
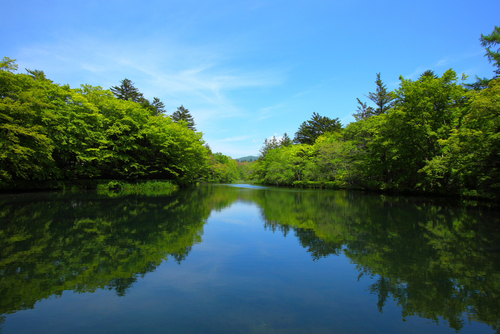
244,259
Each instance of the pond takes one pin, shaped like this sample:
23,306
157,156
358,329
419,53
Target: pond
246,259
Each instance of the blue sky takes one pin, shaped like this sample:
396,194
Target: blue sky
248,70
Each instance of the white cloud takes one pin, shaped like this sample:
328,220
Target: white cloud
170,68
230,139
443,62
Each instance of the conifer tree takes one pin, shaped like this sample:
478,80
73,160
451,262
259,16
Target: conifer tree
382,98
183,114
127,91
492,42
285,141
158,105
315,127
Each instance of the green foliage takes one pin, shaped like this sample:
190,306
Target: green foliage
127,91
52,132
7,64
492,44
223,169
315,127
284,165
183,115
330,161
426,112
159,107
472,151
150,188
273,143
437,137
25,147
382,98
247,170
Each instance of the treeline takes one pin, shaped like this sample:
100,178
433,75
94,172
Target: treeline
433,135
52,132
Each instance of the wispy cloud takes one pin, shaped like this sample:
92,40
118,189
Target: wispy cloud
232,139
170,69
446,61
271,111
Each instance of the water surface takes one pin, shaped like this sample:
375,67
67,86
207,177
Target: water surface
246,259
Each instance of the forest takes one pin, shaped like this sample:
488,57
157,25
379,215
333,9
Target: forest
436,134
52,132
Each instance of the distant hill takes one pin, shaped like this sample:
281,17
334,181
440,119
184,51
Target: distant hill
249,158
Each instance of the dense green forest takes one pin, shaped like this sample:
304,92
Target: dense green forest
53,132
435,134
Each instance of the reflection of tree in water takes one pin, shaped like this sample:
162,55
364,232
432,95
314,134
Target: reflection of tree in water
308,239
50,243
434,260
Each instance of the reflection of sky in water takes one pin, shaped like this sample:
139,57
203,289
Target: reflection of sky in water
243,185
240,279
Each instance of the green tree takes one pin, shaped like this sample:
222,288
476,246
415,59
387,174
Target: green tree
159,106
127,91
284,165
426,112
25,146
270,144
38,75
223,168
492,44
315,127
176,152
7,64
155,107
183,114
364,111
370,155
471,158
137,145
285,140
330,161
382,98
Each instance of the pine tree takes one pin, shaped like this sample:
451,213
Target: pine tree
182,114
127,91
268,146
159,106
285,141
315,127
364,111
492,41
382,98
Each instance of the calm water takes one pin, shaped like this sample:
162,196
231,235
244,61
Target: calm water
243,259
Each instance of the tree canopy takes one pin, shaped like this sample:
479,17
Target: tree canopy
183,114
437,137
491,43
127,91
52,132
315,127
382,98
